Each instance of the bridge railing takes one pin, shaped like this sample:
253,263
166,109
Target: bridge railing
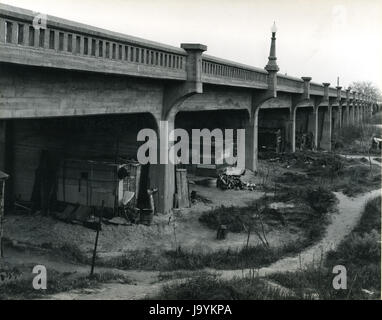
332,92
290,84
220,71
62,39
316,89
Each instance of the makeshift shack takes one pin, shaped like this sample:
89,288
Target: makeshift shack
89,183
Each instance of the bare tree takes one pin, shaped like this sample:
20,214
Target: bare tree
367,88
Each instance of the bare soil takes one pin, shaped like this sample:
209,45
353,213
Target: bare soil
166,233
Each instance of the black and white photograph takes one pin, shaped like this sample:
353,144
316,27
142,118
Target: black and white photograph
176,150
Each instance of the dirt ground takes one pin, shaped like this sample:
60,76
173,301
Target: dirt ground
189,233
167,232
163,234
146,283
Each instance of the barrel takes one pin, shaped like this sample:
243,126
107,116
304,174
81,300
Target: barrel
147,216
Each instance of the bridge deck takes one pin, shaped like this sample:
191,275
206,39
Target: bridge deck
69,45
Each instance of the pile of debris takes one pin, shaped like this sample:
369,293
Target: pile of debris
226,182
230,179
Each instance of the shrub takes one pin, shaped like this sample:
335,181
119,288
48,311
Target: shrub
234,218
320,199
211,287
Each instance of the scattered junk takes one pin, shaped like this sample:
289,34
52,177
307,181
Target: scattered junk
304,141
3,178
207,182
226,182
222,232
230,179
271,139
195,197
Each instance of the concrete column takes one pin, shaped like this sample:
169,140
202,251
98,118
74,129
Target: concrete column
194,65
339,111
325,127
315,133
251,142
325,122
347,108
165,172
354,118
306,94
339,116
292,126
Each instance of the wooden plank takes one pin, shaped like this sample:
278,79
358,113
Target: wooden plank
2,195
182,188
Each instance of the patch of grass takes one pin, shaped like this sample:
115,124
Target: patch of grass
233,217
351,176
356,139
320,199
73,253
376,118
175,260
176,275
313,283
211,287
358,179
56,283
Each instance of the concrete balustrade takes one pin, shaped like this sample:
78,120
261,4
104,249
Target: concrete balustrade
55,44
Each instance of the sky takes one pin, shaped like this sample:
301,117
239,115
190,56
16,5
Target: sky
323,39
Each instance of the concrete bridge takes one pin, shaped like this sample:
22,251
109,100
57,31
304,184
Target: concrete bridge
82,91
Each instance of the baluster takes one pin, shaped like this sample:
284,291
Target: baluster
56,40
96,53
81,46
2,30
14,32
104,49
87,48
20,33
36,38
66,42
26,35
121,52
46,38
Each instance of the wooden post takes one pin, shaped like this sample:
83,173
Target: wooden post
96,240
182,188
3,177
1,217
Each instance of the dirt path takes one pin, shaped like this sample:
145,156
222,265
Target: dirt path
349,213
375,162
